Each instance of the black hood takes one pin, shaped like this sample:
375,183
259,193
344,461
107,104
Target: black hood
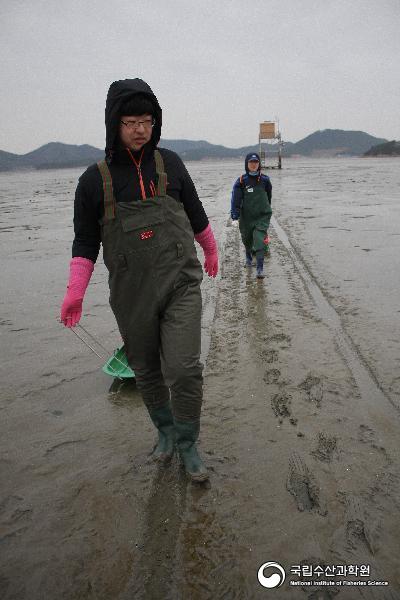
246,161
118,93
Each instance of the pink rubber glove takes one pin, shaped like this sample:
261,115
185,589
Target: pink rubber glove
80,272
207,241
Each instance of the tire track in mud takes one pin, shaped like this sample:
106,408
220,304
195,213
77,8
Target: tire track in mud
308,485
365,379
360,536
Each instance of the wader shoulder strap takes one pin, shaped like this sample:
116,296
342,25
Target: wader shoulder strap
245,178
161,174
109,200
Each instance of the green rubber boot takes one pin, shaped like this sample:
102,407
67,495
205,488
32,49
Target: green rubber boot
249,258
186,435
163,420
260,264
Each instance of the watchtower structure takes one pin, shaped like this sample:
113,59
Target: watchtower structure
269,130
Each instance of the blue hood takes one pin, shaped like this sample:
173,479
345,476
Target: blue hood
246,161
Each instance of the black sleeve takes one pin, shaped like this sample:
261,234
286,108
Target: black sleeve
187,191
268,189
86,216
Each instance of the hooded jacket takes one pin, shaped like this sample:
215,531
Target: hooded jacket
246,161
89,198
118,93
247,180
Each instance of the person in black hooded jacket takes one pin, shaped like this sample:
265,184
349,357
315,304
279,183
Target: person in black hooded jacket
141,205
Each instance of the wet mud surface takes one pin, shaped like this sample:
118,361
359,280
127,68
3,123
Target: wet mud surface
299,430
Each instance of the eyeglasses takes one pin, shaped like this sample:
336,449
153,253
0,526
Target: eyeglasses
133,125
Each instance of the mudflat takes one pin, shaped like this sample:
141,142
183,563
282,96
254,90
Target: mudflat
300,417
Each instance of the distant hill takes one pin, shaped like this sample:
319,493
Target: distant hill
62,155
330,142
54,155
7,160
181,146
389,149
334,142
196,150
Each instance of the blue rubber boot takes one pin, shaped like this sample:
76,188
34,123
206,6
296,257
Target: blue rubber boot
249,258
186,436
163,420
260,265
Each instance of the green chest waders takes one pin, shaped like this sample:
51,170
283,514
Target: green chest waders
255,215
154,281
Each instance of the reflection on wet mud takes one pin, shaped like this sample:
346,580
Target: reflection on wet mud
154,572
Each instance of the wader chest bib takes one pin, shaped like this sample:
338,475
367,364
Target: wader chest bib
255,215
154,280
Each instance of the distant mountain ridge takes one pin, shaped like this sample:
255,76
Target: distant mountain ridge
329,142
54,155
335,142
389,149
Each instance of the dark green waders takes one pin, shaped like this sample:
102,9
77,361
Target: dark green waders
255,216
154,280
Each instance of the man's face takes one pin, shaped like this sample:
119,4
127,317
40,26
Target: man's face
253,165
135,132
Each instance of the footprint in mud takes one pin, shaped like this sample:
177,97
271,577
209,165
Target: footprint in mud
49,374
303,487
361,532
55,413
272,376
16,516
281,405
269,356
312,385
63,445
367,436
326,447
5,322
281,338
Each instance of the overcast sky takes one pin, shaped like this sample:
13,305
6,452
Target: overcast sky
217,67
